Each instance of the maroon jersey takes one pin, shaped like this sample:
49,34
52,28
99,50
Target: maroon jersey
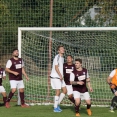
17,67
80,76
67,69
1,75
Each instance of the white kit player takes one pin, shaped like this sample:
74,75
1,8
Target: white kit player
57,81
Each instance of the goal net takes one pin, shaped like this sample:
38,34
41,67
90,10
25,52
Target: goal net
95,46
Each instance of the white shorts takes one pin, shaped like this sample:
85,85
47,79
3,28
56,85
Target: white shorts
2,89
57,83
16,84
83,96
69,89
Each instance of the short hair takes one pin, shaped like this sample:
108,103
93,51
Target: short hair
14,49
70,56
79,60
59,47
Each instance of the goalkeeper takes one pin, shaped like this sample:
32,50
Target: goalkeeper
112,81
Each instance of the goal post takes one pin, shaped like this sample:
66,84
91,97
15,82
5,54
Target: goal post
96,46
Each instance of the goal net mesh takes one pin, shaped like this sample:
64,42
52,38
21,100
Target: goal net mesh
97,49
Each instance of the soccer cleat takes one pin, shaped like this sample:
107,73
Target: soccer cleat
25,106
89,112
7,105
111,110
56,110
77,115
59,108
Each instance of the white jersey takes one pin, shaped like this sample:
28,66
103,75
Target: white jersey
58,60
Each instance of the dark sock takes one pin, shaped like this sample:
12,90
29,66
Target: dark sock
72,100
4,100
88,106
77,108
22,97
9,97
114,101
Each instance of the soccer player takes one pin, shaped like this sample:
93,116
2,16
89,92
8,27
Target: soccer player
2,89
68,68
15,68
79,80
57,81
112,81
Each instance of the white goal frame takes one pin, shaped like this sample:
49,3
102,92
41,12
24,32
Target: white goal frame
20,29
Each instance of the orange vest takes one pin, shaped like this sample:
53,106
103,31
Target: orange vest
114,78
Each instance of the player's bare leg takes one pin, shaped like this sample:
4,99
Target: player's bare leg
13,90
62,95
23,105
88,102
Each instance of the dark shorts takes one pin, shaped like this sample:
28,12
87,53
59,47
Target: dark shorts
114,90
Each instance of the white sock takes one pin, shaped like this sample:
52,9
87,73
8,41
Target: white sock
56,98
62,95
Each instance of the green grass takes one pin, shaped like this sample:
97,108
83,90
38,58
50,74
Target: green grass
47,111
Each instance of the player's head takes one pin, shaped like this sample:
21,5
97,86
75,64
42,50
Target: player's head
15,52
78,63
60,49
69,59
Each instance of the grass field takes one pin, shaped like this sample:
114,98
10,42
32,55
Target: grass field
47,111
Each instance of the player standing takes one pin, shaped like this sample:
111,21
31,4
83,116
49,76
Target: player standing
68,68
112,81
79,78
15,68
57,81
2,89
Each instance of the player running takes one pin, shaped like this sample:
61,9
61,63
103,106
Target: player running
79,78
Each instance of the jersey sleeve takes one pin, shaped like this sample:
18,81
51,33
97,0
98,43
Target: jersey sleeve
9,64
4,74
72,77
112,73
22,63
56,60
87,74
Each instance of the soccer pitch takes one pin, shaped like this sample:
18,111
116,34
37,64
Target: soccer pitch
47,111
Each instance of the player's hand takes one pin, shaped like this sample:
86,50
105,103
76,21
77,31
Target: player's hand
27,78
91,90
80,82
61,78
16,73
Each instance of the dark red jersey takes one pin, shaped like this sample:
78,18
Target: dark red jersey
80,76
17,67
67,69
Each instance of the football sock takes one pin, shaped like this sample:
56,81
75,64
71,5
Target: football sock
56,98
62,95
9,97
72,100
4,99
114,101
88,106
22,97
